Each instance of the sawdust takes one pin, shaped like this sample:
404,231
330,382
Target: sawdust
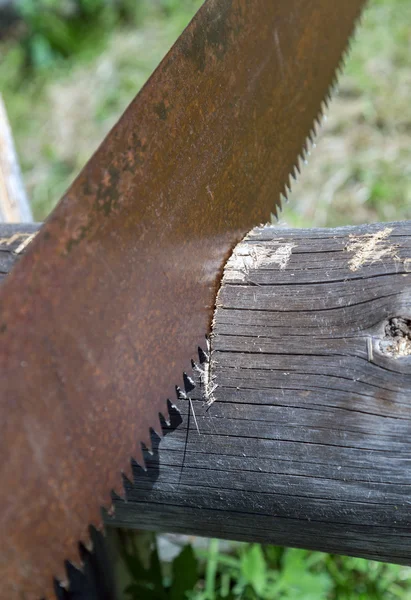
206,378
370,248
16,237
244,259
22,247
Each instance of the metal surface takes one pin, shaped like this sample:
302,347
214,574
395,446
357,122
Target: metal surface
104,312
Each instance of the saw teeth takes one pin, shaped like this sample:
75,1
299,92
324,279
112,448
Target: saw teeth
313,135
127,486
60,590
155,439
175,416
147,447
157,427
115,497
189,384
81,581
202,356
318,121
135,466
108,512
322,115
163,423
82,550
174,419
151,442
180,394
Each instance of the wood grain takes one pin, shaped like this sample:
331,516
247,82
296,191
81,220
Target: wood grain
12,238
307,443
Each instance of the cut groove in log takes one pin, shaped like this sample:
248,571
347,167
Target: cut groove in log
306,442
307,439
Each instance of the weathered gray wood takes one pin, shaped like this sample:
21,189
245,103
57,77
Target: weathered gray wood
13,238
308,441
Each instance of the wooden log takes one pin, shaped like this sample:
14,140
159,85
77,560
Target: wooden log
14,204
301,435
306,441
14,239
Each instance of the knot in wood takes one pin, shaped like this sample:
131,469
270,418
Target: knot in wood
397,340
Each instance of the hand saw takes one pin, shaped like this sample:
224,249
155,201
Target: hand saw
103,314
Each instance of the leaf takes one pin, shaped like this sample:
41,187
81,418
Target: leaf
137,591
155,571
254,568
135,567
185,576
225,585
149,579
297,582
211,569
41,51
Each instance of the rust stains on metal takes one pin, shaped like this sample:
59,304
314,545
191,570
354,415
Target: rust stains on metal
104,312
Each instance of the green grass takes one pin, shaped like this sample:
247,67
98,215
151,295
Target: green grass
61,111
255,572
360,171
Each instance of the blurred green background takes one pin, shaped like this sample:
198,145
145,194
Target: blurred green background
68,69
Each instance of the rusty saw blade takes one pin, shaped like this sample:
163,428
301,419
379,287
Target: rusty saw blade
104,312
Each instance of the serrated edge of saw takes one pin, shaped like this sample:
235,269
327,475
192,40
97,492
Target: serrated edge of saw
164,425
